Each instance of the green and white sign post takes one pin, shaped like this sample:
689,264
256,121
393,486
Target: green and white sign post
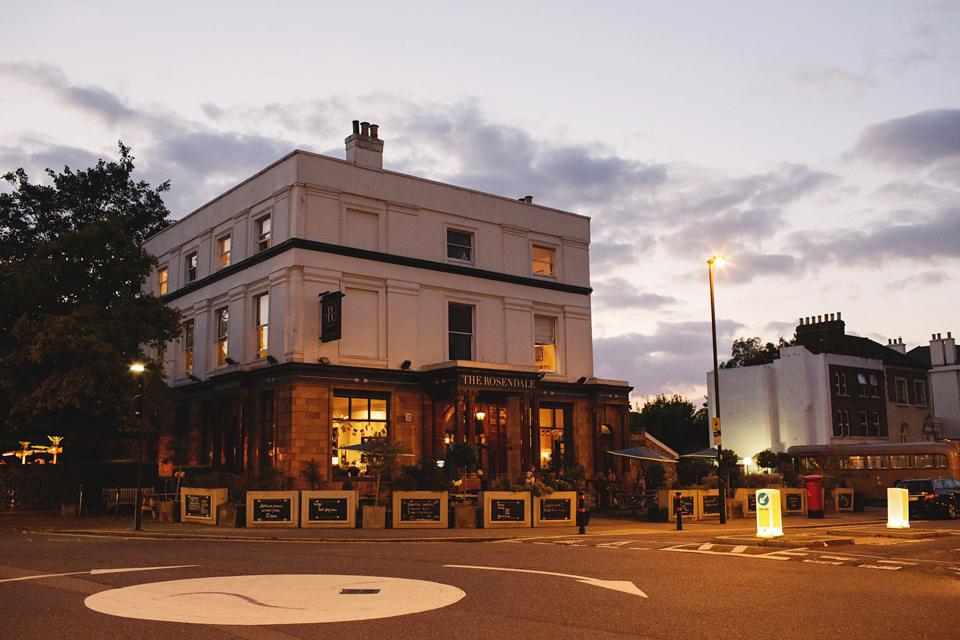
768,514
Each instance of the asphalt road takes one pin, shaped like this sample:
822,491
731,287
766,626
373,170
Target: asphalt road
661,585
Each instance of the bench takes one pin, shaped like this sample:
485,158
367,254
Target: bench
114,498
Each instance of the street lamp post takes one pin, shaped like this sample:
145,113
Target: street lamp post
711,263
138,370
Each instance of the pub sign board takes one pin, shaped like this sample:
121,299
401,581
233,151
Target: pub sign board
331,308
557,509
420,510
200,505
844,499
273,509
505,509
330,509
689,502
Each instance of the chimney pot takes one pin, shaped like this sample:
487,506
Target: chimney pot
373,130
365,129
356,126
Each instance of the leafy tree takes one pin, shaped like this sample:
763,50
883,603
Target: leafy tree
382,457
74,318
673,421
748,352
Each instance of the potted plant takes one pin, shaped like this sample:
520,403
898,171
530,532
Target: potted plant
382,456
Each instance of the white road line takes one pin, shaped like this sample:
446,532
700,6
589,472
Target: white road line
614,545
706,546
879,566
617,585
841,558
795,552
725,553
822,562
911,564
97,572
740,548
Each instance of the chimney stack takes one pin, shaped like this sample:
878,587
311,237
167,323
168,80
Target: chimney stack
943,351
364,147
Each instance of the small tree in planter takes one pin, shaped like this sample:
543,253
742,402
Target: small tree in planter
382,457
464,455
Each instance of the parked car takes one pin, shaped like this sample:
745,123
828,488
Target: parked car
932,496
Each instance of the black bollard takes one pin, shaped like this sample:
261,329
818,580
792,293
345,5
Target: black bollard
678,509
582,512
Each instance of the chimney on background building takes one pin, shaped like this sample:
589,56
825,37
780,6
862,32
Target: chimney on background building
364,147
943,351
821,334
897,345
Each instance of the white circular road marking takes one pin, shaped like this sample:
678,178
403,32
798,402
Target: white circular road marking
274,599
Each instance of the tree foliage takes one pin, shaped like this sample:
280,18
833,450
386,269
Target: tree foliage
748,352
74,317
674,421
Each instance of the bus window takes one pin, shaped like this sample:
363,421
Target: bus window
941,461
876,462
901,462
925,461
853,462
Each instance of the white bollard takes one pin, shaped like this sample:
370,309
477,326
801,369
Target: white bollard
768,514
898,509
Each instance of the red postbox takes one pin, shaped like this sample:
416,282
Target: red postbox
814,496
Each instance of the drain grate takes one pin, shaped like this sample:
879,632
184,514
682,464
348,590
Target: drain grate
358,592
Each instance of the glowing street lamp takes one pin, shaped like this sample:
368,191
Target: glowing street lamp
138,370
716,261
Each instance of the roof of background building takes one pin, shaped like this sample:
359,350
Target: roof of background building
922,355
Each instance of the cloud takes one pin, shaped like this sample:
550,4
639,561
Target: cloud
923,238
918,281
918,140
675,359
619,293
834,78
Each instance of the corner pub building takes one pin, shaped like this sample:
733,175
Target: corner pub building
461,316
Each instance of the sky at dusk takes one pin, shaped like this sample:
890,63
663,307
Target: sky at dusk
815,144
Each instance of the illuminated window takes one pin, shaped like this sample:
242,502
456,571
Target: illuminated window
262,305
263,233
544,260
551,437
223,321
356,419
188,347
545,342
162,281
223,247
459,245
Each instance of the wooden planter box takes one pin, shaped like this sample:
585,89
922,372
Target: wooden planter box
420,509
328,509
374,517
273,509
558,509
200,505
505,509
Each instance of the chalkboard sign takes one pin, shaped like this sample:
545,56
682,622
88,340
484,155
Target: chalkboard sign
711,505
419,509
844,501
272,509
502,510
198,506
751,502
553,509
327,510
794,502
686,505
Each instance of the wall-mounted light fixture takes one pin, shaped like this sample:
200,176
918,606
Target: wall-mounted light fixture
582,380
271,359
230,361
193,378
405,365
324,360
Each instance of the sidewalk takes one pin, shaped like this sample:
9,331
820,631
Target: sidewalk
871,522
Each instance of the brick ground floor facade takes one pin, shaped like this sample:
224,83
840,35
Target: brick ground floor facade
286,415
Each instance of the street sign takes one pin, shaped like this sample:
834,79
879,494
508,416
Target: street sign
716,432
768,514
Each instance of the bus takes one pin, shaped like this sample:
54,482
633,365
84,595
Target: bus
873,468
